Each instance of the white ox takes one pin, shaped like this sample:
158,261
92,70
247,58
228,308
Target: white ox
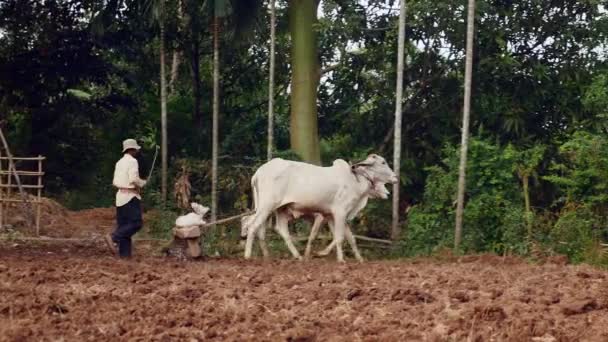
291,189
379,191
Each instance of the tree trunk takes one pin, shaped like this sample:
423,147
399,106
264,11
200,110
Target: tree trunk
216,108
163,106
271,81
174,71
396,229
465,125
176,55
304,133
196,80
196,87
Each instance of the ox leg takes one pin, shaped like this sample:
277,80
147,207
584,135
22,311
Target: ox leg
349,237
249,243
332,244
282,228
313,234
259,219
353,243
339,227
261,233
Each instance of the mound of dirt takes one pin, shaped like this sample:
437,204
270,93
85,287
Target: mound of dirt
58,221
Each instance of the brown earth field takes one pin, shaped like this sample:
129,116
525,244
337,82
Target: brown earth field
74,290
78,292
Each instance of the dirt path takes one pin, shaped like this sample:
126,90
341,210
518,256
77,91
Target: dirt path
79,293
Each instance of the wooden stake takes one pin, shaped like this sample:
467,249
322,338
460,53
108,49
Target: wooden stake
1,191
39,196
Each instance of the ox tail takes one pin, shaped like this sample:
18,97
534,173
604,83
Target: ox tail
247,220
255,192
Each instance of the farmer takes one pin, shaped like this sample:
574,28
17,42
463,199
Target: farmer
128,200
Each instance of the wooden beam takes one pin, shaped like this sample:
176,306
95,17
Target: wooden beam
23,186
22,173
227,219
12,200
358,237
23,158
365,238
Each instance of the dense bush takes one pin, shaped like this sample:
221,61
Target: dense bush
494,216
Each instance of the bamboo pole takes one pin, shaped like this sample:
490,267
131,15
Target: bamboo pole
2,190
358,237
38,205
215,115
395,228
271,81
23,186
225,220
163,108
24,158
11,200
466,111
22,173
9,187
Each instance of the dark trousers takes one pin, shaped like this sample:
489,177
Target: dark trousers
129,220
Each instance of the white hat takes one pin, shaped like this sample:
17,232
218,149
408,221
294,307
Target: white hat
130,144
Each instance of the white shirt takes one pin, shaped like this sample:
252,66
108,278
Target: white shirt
126,176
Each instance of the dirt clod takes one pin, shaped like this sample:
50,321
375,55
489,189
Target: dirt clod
352,294
579,307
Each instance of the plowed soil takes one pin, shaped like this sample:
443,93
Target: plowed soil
78,292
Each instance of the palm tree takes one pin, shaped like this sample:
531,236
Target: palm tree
216,108
465,125
176,60
271,81
163,103
395,229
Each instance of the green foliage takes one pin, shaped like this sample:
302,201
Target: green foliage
595,100
287,154
579,171
577,233
526,161
160,223
494,218
375,220
581,168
